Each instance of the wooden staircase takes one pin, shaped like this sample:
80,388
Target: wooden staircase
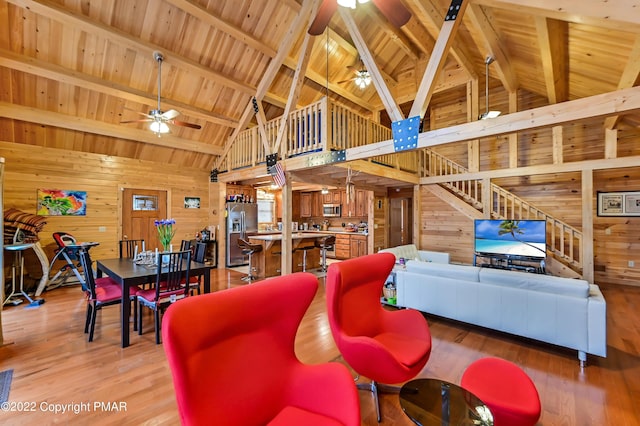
564,242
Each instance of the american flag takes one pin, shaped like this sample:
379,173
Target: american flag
278,174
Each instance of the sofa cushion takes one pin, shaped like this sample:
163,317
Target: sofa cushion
408,251
535,282
445,270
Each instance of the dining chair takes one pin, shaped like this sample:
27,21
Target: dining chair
100,292
171,275
195,282
127,248
233,360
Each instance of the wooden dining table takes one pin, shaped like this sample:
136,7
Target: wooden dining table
127,273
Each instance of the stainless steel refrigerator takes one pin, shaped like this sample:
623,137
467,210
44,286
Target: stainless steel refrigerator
242,218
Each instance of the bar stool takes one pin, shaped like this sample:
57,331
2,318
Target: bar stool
304,251
248,249
325,244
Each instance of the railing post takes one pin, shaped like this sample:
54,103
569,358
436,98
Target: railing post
324,120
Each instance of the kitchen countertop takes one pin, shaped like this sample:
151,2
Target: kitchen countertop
310,231
294,236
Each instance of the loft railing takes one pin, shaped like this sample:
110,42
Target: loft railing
308,131
563,240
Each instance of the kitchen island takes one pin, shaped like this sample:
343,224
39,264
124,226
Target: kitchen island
267,262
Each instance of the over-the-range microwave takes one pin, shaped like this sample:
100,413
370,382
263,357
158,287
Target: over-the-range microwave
331,210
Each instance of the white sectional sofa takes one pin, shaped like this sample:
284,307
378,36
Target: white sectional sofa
562,311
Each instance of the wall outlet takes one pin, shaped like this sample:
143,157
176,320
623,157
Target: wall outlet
102,229
632,264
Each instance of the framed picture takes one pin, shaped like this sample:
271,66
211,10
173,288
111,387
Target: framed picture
191,202
59,202
619,203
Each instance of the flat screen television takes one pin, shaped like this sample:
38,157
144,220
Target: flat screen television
512,238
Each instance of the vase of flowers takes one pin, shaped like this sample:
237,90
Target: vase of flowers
165,232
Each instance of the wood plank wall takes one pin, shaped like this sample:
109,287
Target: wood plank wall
616,240
31,167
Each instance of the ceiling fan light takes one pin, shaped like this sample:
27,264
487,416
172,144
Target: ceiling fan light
363,79
159,127
489,114
347,3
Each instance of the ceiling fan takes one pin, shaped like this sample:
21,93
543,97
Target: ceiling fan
362,77
160,119
393,10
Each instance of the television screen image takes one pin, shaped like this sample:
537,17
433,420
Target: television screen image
517,238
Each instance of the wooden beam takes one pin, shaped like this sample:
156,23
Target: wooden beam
616,102
270,73
389,103
610,143
64,75
553,38
296,86
615,14
494,46
396,36
205,16
432,18
82,23
557,144
545,169
437,59
629,77
64,121
587,225
513,137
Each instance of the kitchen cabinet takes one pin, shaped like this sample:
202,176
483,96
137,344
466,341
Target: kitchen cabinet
306,201
333,197
350,246
343,246
358,246
361,207
316,204
246,191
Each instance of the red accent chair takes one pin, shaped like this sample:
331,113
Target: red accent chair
506,389
232,358
387,346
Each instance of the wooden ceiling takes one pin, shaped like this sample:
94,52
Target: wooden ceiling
72,70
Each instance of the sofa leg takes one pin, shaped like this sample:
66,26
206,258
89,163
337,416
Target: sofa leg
582,356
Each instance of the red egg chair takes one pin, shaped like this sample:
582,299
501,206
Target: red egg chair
387,346
232,358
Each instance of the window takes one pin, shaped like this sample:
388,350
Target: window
266,208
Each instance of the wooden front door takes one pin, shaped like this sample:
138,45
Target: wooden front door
140,208
399,222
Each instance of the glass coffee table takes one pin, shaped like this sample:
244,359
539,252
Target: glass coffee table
436,402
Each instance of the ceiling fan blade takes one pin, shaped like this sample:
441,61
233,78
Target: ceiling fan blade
325,12
347,80
394,11
185,124
138,112
169,115
147,120
354,69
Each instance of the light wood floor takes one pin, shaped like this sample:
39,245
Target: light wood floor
54,364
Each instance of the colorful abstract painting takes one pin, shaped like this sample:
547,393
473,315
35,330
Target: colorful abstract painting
56,202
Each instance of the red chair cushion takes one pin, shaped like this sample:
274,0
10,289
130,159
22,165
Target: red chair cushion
506,389
107,293
150,294
407,350
294,416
